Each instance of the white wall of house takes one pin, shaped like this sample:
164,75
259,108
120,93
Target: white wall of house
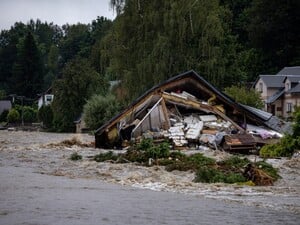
45,100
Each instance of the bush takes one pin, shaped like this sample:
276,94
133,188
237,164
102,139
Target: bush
29,114
13,116
75,156
245,96
212,175
101,157
285,148
45,115
100,109
154,151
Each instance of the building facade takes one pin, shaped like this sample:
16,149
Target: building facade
280,92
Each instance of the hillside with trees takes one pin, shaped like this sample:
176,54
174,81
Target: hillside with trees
227,42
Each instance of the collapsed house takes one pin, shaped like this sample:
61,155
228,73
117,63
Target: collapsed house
190,112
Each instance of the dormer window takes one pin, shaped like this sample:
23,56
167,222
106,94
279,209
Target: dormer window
288,86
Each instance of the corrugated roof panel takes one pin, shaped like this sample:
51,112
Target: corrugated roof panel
258,112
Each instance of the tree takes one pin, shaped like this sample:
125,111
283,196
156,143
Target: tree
45,115
27,72
79,82
77,41
168,38
245,96
273,29
100,109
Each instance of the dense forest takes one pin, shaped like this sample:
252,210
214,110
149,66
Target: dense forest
227,42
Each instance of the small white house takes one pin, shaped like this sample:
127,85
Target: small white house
45,99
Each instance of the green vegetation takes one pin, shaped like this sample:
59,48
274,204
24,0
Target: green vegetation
249,97
79,82
101,157
288,144
13,116
99,109
75,156
212,175
45,115
149,41
231,170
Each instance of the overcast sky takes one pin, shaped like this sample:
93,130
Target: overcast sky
57,11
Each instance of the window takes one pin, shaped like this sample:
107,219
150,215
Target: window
289,107
260,88
48,98
288,86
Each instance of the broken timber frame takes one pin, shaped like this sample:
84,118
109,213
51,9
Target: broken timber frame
198,105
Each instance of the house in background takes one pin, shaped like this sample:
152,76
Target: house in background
45,98
5,105
280,92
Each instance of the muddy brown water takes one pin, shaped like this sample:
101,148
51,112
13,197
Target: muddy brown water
40,185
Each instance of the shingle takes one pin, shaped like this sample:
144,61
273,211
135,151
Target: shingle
294,70
273,81
293,78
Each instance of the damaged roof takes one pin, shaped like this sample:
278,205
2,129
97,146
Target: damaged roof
196,87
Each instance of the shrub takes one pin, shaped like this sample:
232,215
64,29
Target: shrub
212,175
101,157
13,116
154,151
29,114
100,109
285,148
45,115
75,156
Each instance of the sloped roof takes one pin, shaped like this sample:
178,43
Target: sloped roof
273,81
274,97
294,70
293,78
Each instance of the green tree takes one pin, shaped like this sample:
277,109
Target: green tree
168,38
45,115
77,41
29,114
245,96
79,82
27,72
273,29
100,109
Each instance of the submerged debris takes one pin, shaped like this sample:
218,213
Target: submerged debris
74,141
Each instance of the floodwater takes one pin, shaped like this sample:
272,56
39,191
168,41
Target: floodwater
40,185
